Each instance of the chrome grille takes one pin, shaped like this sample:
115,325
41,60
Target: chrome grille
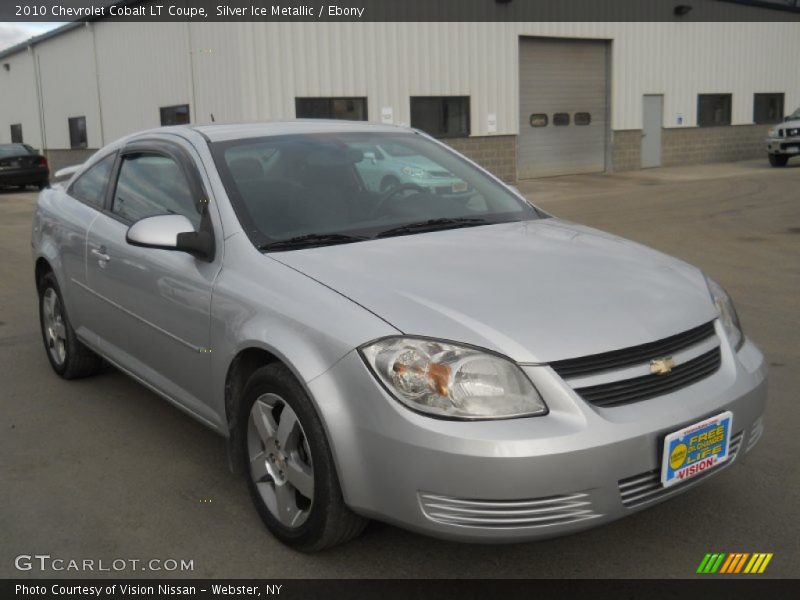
541,512
647,487
589,365
650,386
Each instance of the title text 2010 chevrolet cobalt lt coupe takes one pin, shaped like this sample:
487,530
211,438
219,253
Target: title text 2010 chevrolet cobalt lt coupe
463,365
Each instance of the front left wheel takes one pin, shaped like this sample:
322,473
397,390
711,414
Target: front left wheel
290,469
778,160
67,355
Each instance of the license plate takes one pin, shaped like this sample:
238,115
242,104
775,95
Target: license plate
695,449
793,149
459,187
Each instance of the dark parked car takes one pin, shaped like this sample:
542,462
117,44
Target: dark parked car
21,165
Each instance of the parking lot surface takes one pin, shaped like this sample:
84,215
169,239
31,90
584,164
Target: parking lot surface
102,468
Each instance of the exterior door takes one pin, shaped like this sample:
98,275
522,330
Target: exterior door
152,307
563,102
652,120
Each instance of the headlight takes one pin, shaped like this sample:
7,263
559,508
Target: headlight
414,172
446,380
727,313
772,132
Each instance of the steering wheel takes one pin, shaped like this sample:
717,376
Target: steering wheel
391,193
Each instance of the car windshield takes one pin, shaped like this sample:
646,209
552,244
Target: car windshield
318,189
795,115
14,150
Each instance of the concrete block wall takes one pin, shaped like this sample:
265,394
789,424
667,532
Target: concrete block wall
58,159
627,150
696,145
495,153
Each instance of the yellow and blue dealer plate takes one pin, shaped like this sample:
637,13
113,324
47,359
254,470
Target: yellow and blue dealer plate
695,449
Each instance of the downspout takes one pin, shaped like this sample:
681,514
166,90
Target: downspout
97,84
193,110
37,74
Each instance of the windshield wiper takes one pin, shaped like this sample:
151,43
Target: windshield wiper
312,239
433,225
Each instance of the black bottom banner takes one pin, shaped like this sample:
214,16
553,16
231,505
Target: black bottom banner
412,589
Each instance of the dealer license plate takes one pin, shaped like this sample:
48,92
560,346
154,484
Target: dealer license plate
459,187
695,449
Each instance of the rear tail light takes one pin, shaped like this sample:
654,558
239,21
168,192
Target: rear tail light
42,162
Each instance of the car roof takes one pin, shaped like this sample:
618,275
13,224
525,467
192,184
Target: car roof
232,131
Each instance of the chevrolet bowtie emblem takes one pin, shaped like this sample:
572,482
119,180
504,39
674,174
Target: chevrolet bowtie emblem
662,366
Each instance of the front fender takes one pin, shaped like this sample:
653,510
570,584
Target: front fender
259,303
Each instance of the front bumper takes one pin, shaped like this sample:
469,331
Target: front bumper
790,146
522,479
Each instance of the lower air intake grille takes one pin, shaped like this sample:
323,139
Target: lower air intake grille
755,434
650,386
541,512
647,487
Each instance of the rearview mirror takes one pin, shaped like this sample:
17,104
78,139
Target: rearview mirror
171,232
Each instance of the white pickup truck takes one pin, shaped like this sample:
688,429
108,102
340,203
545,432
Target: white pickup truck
783,140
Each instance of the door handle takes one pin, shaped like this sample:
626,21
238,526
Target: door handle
100,253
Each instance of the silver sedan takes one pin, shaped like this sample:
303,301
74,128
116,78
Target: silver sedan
463,365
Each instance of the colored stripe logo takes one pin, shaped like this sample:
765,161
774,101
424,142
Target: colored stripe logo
734,563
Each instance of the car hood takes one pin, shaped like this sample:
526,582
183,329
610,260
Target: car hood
536,291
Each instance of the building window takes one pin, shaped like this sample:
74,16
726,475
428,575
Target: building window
174,115
583,118
444,116
539,120
767,108
348,109
77,132
561,119
713,110
16,133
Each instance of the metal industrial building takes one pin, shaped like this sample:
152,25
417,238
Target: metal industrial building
525,99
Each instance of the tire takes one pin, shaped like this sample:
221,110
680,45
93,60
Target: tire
389,182
316,516
41,185
778,160
69,358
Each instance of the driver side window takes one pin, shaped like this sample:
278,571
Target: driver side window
153,184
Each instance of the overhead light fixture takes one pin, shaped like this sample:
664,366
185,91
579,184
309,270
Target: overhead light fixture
681,10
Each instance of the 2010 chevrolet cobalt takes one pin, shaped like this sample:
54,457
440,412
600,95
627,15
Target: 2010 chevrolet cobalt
458,363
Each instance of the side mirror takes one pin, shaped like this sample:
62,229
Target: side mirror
171,232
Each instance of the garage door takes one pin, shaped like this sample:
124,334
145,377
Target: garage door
563,89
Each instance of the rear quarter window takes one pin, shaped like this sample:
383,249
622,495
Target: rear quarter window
92,185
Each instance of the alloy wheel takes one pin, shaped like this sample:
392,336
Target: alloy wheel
54,328
280,460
